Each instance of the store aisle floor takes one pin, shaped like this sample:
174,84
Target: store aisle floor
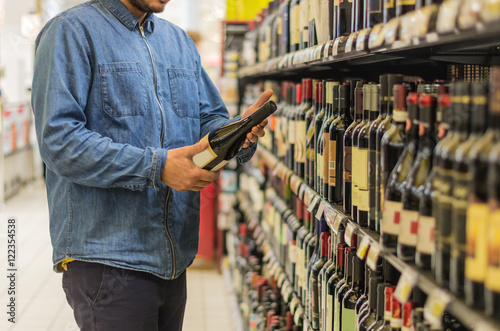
40,302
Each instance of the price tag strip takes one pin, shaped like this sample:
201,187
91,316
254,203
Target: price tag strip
363,247
373,254
321,208
330,215
350,42
435,305
350,235
337,223
313,203
361,40
406,283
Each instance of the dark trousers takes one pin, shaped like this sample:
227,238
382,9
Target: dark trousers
108,298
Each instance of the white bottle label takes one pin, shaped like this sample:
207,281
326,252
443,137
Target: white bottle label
391,217
203,158
408,228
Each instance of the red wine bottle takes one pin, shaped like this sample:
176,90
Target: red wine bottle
226,142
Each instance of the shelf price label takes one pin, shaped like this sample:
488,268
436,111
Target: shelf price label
406,283
336,45
372,257
298,315
350,42
363,248
361,40
337,223
295,183
301,192
435,305
313,203
294,304
350,235
321,209
330,215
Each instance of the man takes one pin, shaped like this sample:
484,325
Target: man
120,100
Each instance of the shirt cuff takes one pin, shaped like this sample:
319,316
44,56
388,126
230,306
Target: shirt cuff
159,161
245,154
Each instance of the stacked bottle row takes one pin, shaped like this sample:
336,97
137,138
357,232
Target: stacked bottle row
291,25
326,284
415,162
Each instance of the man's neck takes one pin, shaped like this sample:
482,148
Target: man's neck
138,13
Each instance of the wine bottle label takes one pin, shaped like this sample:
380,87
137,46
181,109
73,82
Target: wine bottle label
375,6
348,316
336,316
319,165
493,272
425,235
329,312
280,25
326,159
391,217
363,193
301,138
291,252
332,164
291,132
405,2
355,170
389,3
347,164
294,25
408,227
478,215
204,158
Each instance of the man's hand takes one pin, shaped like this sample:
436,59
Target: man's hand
258,130
181,174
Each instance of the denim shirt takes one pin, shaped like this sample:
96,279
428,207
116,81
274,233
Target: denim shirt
110,99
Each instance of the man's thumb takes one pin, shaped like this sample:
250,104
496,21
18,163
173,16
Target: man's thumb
198,148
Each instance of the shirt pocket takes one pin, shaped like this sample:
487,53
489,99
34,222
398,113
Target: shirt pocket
184,92
123,89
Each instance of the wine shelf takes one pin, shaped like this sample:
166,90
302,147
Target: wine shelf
439,299
477,46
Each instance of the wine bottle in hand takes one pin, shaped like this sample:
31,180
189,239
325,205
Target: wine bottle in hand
225,142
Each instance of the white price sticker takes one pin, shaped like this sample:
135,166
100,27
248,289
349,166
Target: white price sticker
321,208
435,306
335,48
363,247
301,192
313,204
298,315
361,40
337,223
330,215
407,281
350,235
294,304
372,257
350,42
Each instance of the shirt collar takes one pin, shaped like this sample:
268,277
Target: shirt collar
118,9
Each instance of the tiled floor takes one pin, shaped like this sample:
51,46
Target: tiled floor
40,301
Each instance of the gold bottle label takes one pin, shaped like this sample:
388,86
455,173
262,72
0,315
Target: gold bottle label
493,271
332,165
362,181
476,259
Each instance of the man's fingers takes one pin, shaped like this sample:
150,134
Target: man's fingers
196,148
264,97
208,176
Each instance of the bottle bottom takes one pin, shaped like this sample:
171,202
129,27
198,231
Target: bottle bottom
474,294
